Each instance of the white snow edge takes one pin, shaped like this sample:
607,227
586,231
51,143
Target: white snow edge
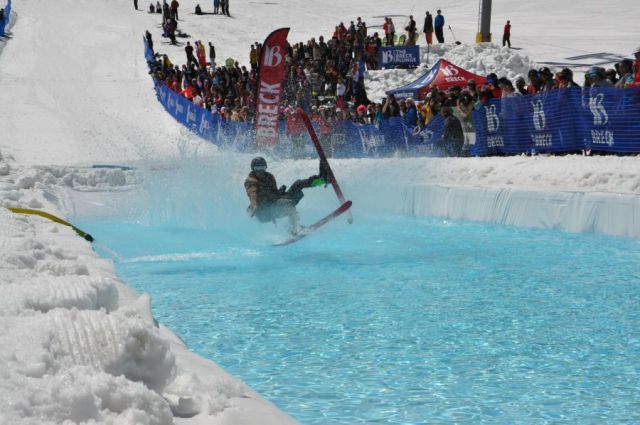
77,344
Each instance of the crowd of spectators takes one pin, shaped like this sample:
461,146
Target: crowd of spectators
326,79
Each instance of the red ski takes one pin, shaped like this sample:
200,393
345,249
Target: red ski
323,161
342,208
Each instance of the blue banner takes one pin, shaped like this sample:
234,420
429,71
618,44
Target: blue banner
389,57
567,120
424,140
4,22
611,120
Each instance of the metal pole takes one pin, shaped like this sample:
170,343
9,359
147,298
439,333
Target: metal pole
484,32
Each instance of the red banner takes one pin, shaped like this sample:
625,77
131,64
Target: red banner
272,69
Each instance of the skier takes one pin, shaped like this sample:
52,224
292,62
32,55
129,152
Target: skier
439,26
269,203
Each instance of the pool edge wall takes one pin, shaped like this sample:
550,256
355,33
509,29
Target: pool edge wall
576,212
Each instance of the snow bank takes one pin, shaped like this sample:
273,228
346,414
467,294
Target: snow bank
76,344
481,59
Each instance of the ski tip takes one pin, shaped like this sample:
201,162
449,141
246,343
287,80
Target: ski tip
345,206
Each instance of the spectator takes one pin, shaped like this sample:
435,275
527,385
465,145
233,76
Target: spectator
506,86
152,8
253,58
361,114
411,32
385,28
135,5
611,76
492,86
439,26
198,10
534,82
506,35
410,117
379,116
216,7
391,108
166,11
472,89
428,28
597,77
295,130
625,69
453,136
171,27
201,53
225,7
521,86
147,35
546,79
340,91
212,56
158,7
188,49
565,79
466,107
174,9
392,33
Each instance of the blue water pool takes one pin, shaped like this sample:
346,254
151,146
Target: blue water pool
404,320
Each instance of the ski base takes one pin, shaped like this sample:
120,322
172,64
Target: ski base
315,226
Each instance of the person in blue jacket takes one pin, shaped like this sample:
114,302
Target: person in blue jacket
410,117
438,26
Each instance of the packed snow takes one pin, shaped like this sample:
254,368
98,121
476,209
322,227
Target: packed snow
78,345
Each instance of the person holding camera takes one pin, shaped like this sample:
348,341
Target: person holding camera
452,140
391,108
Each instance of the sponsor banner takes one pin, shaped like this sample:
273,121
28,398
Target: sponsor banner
270,81
425,139
566,120
611,119
389,57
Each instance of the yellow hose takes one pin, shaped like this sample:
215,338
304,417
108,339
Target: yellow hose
52,218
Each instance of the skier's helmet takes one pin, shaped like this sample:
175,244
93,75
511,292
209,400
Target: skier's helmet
258,164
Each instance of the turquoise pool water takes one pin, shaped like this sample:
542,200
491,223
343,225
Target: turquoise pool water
403,320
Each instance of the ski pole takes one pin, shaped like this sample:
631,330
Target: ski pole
454,36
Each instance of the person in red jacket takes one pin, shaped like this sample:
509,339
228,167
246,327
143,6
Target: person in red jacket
506,35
